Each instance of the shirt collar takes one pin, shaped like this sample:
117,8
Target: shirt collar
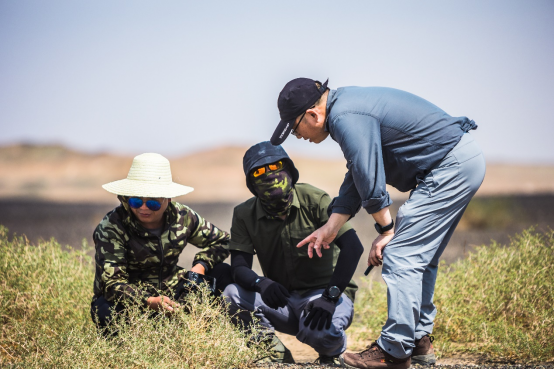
261,213
330,103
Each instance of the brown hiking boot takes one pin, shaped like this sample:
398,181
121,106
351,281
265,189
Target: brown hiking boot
374,358
423,353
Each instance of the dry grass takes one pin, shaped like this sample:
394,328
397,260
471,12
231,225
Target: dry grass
45,322
496,302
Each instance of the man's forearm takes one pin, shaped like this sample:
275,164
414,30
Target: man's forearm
336,221
383,217
245,277
241,263
351,250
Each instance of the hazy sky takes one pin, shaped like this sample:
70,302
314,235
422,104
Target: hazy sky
176,77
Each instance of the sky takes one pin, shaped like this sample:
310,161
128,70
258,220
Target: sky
178,77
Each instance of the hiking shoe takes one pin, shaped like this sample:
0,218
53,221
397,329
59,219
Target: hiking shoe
277,352
423,353
332,361
374,358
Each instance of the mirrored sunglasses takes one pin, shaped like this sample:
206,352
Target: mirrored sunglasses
272,167
152,205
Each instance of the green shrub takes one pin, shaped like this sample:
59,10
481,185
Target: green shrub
497,302
45,297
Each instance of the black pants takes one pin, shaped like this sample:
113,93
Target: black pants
101,309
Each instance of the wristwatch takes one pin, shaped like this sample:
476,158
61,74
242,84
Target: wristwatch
381,229
332,293
258,279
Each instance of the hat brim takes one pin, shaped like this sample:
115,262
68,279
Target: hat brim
134,188
282,131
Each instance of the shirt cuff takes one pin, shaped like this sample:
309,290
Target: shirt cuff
344,206
374,205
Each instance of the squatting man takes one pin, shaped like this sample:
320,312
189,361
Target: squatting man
311,299
139,242
391,137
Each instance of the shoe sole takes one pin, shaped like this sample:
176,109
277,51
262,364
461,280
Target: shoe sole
424,360
344,365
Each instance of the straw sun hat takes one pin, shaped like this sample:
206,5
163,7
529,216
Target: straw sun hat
149,177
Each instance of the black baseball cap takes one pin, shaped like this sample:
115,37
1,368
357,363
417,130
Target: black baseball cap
296,97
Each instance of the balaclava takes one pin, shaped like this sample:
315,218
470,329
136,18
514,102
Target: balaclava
274,189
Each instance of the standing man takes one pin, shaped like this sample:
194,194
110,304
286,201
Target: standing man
311,299
391,137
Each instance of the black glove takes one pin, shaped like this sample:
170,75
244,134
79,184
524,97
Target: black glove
320,310
273,294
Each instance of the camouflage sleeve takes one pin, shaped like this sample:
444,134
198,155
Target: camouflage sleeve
109,241
213,241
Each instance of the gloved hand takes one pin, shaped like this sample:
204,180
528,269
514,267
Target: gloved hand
273,294
321,311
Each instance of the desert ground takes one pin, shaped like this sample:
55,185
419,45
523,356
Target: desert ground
50,191
57,174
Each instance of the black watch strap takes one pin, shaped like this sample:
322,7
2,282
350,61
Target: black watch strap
257,281
382,229
332,293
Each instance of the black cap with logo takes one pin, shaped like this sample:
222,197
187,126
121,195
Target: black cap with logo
296,97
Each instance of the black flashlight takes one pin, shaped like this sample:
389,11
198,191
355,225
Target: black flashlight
368,270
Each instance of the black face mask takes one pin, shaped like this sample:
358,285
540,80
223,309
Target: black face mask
274,189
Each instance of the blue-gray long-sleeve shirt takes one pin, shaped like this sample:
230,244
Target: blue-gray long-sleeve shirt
388,136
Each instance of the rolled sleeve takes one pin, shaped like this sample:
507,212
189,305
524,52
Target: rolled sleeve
359,137
374,205
348,202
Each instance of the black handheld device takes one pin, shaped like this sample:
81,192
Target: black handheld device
368,270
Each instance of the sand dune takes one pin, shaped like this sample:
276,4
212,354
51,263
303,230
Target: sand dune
59,174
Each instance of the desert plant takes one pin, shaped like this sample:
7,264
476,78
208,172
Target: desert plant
496,302
45,297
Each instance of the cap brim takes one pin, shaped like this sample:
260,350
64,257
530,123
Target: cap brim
282,131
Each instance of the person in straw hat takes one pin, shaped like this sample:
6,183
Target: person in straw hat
139,242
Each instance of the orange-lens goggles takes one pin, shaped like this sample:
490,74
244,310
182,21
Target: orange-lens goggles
272,167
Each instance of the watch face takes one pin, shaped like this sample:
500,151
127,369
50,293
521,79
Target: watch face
334,292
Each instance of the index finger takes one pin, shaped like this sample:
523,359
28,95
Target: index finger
308,239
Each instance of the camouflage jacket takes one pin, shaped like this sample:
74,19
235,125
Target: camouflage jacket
133,263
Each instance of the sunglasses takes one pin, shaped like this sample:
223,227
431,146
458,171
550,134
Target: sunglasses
152,205
272,167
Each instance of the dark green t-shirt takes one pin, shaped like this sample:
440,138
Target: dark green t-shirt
275,240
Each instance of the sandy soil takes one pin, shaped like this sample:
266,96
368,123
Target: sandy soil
57,174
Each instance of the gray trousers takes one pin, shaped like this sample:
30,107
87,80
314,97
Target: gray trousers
424,225
290,319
